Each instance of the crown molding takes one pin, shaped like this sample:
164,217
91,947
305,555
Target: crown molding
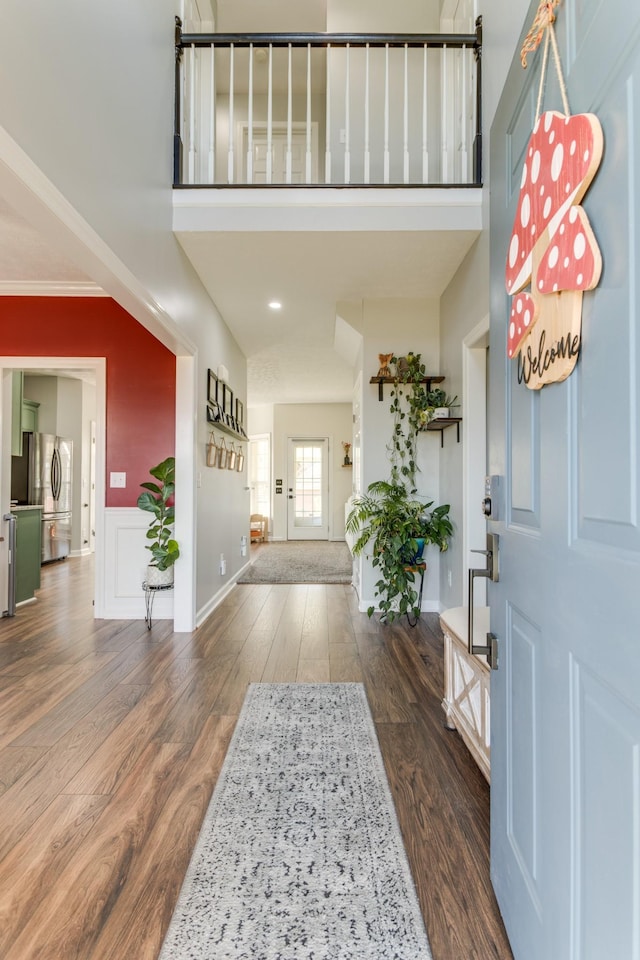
50,288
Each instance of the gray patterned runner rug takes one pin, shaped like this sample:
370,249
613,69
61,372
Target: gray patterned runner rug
300,856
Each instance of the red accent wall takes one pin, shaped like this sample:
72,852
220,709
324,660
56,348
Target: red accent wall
140,372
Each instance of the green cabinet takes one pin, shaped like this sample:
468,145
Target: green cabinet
28,552
30,416
24,413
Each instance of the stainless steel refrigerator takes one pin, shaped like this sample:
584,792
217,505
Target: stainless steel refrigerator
51,486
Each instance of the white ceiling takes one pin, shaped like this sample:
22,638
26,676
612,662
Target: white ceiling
292,352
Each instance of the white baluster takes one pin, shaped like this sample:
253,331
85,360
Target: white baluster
192,115
425,141
211,167
386,113
464,175
444,121
367,145
347,119
405,165
230,163
269,176
250,119
308,153
289,119
327,150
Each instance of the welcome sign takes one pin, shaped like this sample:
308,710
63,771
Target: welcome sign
553,249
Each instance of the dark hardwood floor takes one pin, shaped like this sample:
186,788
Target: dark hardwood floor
111,739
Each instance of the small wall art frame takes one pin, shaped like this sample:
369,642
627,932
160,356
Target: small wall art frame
227,399
213,385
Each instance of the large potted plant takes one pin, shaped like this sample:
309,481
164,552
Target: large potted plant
391,516
158,500
398,525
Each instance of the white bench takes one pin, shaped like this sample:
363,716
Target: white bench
466,683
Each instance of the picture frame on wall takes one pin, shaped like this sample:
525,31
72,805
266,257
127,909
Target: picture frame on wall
227,399
212,387
239,413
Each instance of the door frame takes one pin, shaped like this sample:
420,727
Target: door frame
98,366
326,492
474,449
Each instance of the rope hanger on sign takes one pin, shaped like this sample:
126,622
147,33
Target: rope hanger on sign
542,26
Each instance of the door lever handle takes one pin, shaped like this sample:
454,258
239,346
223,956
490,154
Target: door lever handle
491,572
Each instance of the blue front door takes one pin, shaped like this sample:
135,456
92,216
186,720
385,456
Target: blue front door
565,700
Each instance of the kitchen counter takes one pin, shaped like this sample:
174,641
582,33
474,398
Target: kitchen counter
25,506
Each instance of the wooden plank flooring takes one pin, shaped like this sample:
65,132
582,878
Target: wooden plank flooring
112,737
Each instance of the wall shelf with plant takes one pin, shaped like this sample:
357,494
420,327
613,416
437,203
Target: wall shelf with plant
391,517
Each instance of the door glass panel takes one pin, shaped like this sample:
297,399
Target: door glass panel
308,486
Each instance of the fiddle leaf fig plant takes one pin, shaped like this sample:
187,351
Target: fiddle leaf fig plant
164,549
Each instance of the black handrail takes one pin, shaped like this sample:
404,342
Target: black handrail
324,39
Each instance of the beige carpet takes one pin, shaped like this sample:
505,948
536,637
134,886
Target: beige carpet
301,561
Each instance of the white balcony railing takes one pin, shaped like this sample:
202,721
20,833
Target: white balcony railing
320,109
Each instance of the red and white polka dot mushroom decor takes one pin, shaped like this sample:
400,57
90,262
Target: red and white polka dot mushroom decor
552,247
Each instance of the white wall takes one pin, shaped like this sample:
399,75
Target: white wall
96,118
260,419
44,390
466,301
380,16
332,420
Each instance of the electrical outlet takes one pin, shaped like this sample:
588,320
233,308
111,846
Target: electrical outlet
117,479
243,546
223,565
450,577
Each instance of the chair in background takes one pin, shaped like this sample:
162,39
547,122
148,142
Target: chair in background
258,528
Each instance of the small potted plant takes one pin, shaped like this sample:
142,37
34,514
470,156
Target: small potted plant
439,404
156,500
398,525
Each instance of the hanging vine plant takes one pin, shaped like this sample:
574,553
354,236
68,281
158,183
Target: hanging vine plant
410,411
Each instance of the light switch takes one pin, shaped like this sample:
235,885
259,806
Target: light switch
117,479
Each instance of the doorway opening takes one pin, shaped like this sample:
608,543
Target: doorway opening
89,519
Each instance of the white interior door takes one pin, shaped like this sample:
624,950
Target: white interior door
308,490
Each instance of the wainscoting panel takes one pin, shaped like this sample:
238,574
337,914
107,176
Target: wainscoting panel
125,567
523,763
605,753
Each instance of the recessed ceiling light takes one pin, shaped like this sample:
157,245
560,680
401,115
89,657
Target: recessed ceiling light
275,305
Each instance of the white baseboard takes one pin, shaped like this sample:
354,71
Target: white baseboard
84,552
215,601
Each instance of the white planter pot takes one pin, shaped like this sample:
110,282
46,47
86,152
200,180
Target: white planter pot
159,578
441,413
